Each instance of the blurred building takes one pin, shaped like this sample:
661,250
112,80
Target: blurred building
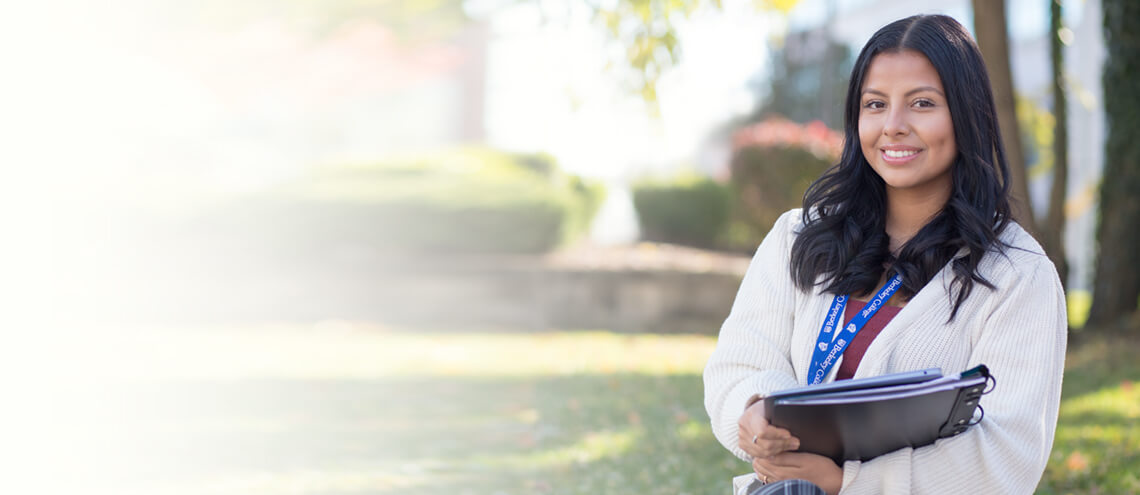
249,105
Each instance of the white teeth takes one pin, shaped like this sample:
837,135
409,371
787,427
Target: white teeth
899,154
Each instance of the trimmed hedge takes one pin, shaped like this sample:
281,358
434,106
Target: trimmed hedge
688,210
468,200
773,163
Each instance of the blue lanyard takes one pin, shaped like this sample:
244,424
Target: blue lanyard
827,350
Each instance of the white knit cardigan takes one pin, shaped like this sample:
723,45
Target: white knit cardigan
1018,330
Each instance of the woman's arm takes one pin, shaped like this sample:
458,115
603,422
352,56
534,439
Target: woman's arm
751,355
1023,343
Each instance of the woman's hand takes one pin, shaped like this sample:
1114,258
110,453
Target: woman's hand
801,465
758,438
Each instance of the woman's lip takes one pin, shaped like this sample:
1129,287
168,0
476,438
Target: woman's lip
899,160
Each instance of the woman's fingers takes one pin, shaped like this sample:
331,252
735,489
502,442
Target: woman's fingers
761,445
757,438
775,433
777,446
762,471
784,459
765,471
754,421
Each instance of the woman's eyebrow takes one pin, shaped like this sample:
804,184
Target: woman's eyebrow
924,88
908,93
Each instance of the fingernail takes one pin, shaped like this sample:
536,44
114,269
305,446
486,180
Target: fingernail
795,444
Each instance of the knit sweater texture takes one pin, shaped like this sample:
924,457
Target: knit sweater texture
1018,329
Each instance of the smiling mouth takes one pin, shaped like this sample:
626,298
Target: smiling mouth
899,156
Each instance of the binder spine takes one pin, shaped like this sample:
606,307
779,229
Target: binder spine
963,411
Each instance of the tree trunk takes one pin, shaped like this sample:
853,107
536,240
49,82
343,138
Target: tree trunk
993,41
1117,284
1053,233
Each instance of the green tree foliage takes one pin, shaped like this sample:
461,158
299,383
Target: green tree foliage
647,29
1116,286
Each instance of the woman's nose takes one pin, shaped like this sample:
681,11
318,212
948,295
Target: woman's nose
896,123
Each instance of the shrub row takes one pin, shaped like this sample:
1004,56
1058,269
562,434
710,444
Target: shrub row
469,200
689,210
772,164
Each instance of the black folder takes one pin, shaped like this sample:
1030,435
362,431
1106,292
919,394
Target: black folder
864,418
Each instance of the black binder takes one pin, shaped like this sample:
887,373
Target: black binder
868,417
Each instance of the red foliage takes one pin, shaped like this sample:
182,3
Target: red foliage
814,137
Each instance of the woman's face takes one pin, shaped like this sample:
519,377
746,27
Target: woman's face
905,128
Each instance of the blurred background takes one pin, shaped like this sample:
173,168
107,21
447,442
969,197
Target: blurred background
478,246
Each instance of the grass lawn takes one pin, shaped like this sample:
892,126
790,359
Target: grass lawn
1097,447
351,409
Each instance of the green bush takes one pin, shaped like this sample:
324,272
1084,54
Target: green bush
767,181
466,200
687,210
773,163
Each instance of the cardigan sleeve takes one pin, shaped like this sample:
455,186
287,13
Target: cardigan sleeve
751,355
1023,343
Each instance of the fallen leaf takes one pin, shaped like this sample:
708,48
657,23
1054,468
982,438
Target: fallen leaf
1077,461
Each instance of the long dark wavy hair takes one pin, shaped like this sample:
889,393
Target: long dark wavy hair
843,245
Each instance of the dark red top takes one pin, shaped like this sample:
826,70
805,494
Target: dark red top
858,346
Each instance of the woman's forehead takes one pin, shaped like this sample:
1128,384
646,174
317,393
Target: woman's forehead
906,70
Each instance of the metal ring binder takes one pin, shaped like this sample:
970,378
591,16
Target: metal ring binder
980,418
992,384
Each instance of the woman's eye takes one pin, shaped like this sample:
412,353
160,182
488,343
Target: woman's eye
874,105
924,103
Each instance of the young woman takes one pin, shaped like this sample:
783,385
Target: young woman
918,199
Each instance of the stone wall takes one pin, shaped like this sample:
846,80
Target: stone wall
544,297
684,291
630,289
